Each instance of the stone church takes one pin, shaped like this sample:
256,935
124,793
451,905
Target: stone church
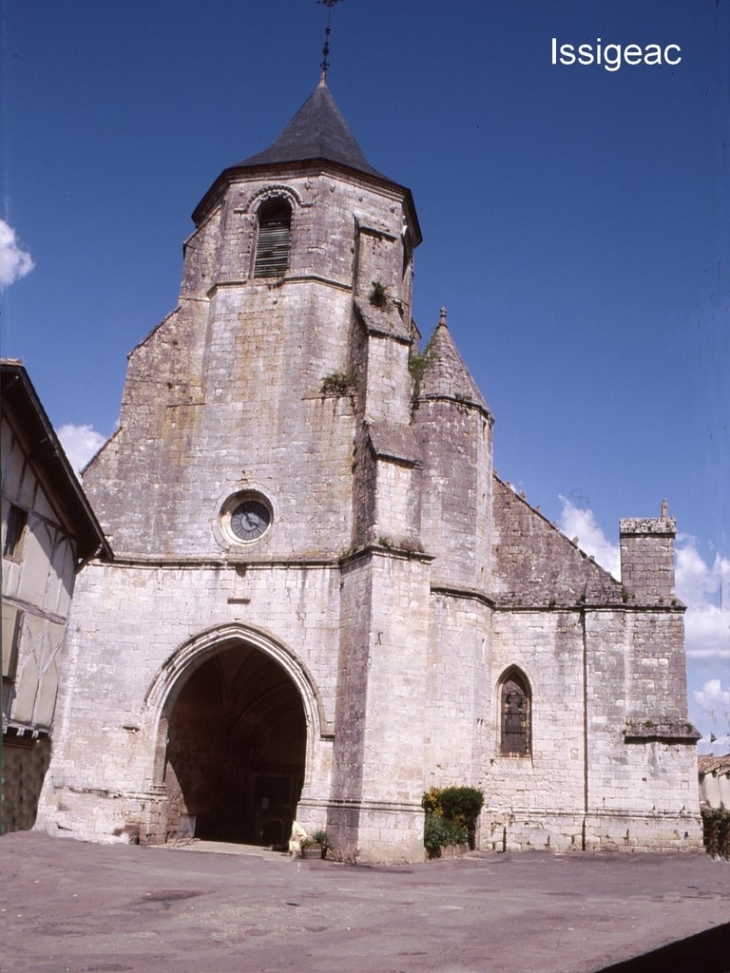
323,600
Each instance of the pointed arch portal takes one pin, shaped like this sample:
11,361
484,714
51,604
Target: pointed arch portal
233,742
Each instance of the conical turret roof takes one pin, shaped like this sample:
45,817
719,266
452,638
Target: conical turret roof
445,375
317,131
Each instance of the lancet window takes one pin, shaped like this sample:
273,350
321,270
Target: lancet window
515,715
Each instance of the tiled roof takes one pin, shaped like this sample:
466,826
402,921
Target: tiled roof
709,764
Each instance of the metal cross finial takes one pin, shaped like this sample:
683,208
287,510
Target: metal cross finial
329,4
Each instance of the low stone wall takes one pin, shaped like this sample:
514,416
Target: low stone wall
544,831
448,852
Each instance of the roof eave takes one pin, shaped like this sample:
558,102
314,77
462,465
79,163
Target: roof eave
26,414
225,179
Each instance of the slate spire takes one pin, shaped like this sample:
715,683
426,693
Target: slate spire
317,131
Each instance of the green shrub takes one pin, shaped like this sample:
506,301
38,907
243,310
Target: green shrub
431,803
451,816
322,838
461,804
438,832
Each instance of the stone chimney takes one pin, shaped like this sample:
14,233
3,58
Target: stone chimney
647,557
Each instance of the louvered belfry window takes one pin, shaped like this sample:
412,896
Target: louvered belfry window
272,248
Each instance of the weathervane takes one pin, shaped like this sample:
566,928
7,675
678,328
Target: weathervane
329,4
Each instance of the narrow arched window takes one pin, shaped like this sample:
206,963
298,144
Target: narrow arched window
272,247
515,705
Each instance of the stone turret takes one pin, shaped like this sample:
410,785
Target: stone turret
647,557
453,424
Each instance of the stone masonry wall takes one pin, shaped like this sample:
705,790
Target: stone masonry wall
585,784
378,779
647,559
129,624
547,647
226,394
535,564
458,690
456,440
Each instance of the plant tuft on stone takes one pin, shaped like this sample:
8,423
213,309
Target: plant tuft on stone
378,296
337,384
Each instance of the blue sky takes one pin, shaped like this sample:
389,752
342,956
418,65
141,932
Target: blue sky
576,224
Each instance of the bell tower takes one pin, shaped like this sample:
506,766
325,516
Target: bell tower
253,387
266,448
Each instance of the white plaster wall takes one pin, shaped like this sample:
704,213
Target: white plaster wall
715,789
38,583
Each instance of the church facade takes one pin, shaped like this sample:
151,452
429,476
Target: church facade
322,599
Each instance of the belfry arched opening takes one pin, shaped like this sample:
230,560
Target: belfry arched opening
236,744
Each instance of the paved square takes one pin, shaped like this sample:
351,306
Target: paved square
71,906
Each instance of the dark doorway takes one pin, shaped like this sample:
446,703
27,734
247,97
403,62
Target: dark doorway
236,749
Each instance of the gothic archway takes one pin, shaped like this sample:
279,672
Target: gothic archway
234,734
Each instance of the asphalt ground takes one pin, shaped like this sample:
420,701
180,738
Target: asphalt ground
72,906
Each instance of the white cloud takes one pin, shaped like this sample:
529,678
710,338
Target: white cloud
712,696
14,262
80,443
697,578
705,589
580,523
